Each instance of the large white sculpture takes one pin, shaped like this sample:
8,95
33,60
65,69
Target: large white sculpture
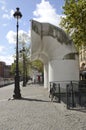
56,50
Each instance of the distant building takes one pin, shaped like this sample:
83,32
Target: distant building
82,58
4,70
2,67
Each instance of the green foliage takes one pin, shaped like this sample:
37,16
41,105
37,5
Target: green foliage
37,64
13,69
23,54
75,20
24,59
20,68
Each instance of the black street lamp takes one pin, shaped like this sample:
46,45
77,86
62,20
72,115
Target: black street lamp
17,94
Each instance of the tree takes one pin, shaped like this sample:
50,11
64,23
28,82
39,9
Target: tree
37,64
25,60
75,20
13,68
12,71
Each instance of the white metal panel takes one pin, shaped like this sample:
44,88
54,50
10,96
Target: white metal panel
63,70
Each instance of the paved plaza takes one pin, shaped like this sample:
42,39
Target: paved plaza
35,111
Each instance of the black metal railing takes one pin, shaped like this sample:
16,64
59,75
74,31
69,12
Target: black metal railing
6,81
72,93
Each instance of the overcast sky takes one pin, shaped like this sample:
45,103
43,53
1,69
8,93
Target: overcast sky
41,10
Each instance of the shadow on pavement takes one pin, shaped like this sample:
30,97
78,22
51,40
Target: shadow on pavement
78,109
36,100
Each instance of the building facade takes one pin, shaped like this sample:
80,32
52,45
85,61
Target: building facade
4,70
82,60
82,57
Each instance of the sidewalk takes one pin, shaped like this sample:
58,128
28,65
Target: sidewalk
36,112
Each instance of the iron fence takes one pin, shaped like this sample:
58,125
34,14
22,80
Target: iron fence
72,93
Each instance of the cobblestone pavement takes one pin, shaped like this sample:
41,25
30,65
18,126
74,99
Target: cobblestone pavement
35,111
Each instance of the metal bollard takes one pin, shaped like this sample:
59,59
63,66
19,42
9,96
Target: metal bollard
72,95
59,100
67,96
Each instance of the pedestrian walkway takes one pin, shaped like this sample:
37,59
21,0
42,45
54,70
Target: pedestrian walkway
35,111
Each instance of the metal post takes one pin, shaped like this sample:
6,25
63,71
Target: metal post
24,67
59,93
17,94
72,95
67,96
26,77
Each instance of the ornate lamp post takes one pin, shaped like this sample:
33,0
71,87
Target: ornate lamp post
17,94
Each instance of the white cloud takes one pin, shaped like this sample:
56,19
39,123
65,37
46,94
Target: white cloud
24,37
1,48
8,15
2,2
5,24
7,59
11,37
46,13
3,6
5,16
11,13
4,9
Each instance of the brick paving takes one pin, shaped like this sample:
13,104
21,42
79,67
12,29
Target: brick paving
35,111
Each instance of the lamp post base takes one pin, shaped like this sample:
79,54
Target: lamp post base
17,96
